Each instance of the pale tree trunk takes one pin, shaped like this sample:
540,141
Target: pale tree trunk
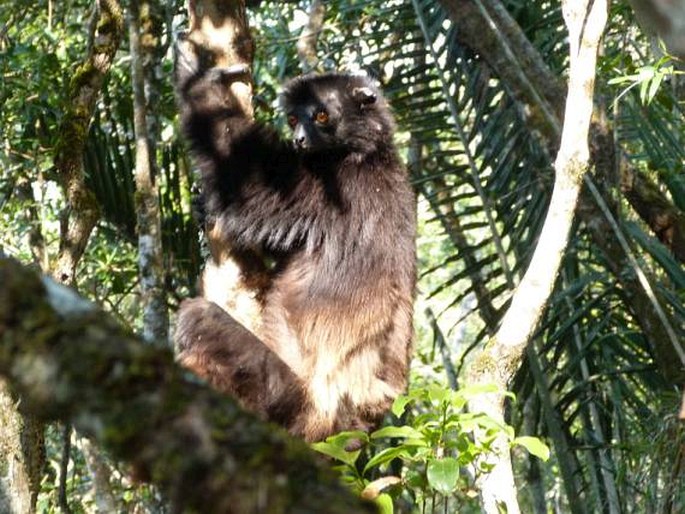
149,224
21,455
220,28
489,29
100,470
502,356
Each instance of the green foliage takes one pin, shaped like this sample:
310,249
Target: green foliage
590,385
648,79
434,458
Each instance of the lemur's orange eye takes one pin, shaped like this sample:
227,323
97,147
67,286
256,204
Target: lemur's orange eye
321,117
292,120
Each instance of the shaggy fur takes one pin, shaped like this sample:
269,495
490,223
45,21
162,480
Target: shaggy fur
334,216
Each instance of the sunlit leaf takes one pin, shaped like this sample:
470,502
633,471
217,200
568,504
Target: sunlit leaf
443,475
534,446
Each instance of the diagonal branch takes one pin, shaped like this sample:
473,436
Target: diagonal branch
487,27
72,362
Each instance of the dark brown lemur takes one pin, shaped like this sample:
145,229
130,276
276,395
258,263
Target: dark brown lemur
334,213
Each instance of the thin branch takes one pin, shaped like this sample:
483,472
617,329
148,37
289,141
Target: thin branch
439,339
62,499
82,212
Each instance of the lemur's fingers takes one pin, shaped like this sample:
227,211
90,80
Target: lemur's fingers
192,59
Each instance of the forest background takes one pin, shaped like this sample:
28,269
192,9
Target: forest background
95,192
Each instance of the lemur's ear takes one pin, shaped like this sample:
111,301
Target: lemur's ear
364,96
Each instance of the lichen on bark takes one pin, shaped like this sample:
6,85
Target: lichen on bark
70,361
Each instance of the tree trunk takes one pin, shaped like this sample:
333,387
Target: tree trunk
73,362
81,213
306,43
665,18
149,224
502,356
22,447
21,455
220,37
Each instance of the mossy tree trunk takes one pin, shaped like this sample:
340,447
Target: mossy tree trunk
81,212
22,449
21,455
72,362
145,32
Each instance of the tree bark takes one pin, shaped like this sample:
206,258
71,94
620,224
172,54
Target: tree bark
101,472
219,36
219,28
70,361
502,356
666,18
81,213
23,447
22,455
149,223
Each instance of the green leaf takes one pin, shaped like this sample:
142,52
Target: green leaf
402,432
384,502
443,475
657,250
400,404
476,390
334,446
438,394
534,446
331,450
654,86
386,456
342,439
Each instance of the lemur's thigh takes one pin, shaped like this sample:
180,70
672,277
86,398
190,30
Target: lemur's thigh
212,344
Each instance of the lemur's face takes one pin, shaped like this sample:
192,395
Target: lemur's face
315,123
334,113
